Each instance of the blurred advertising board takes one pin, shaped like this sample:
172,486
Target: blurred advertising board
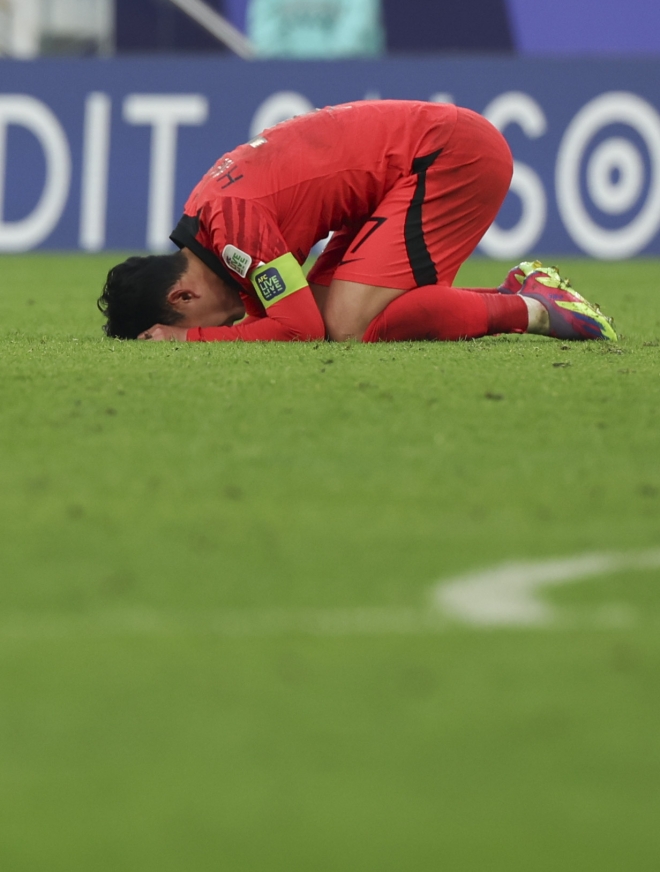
101,154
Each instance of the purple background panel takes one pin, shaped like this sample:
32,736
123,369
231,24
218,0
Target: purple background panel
579,27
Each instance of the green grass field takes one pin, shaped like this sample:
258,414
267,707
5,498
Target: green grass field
217,644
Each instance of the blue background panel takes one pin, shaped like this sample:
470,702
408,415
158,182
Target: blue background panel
584,133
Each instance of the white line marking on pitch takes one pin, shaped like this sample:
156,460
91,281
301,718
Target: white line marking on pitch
243,623
505,595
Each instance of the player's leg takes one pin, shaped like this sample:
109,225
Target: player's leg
437,312
546,305
465,188
352,305
373,268
424,229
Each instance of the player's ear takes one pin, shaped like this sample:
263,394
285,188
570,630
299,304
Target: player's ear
180,295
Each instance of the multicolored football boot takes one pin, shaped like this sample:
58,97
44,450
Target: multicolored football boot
571,316
516,276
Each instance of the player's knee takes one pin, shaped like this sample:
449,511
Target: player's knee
340,329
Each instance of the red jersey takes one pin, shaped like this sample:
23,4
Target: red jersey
256,214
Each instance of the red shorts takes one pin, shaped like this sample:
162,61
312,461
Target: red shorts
430,222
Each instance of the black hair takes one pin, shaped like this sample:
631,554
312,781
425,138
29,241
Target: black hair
134,297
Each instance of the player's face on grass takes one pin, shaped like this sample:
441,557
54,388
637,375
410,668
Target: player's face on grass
202,299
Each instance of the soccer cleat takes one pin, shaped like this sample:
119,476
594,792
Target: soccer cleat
571,316
516,276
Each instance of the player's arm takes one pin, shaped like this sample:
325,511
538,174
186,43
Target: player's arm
290,311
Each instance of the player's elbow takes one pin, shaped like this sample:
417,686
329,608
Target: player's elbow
299,318
312,329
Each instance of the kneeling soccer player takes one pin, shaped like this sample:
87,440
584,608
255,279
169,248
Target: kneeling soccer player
408,188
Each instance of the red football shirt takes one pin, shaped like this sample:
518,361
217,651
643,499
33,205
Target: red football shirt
273,198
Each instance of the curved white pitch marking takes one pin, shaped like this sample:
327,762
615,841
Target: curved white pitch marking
504,595
500,596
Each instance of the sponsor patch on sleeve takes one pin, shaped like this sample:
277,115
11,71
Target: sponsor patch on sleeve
236,260
278,279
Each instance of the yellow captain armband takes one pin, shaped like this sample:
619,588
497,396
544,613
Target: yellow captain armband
278,279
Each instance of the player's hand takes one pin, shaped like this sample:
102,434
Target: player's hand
165,332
